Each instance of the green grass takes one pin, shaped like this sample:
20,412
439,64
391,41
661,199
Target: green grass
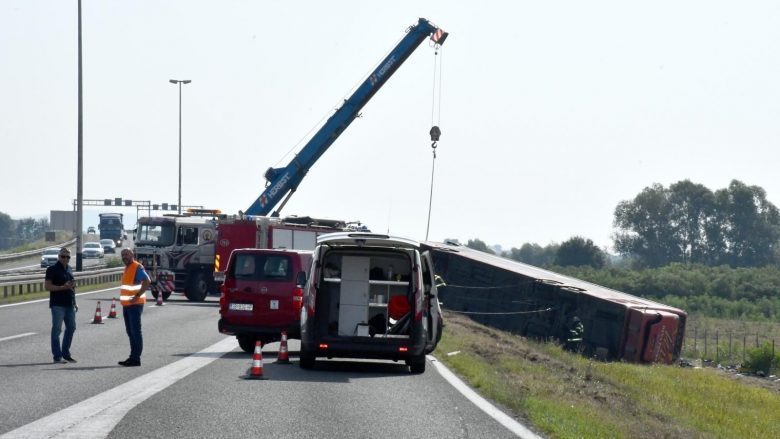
733,338
700,399
40,244
565,395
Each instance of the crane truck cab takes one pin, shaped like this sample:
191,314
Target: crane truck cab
370,296
178,252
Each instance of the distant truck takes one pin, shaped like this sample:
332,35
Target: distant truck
111,227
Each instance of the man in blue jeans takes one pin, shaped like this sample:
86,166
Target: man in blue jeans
132,296
62,302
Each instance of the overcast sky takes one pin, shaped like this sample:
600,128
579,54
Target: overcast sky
551,112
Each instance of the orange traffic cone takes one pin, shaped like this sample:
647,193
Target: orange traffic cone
256,372
284,355
98,318
159,298
112,312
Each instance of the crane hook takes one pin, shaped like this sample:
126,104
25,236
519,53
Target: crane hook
435,133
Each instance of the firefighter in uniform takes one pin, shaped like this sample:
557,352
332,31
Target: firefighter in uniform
575,330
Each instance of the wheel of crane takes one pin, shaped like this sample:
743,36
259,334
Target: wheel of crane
196,287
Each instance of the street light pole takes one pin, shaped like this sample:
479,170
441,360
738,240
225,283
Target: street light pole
80,171
180,82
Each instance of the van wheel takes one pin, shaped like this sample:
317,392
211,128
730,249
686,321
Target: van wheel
247,343
417,364
196,288
306,360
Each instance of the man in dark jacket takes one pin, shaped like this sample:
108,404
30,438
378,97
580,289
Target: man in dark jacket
62,303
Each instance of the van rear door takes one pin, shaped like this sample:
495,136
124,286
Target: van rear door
264,290
431,303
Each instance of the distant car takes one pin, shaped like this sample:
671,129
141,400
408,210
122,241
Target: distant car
93,250
108,245
49,257
91,229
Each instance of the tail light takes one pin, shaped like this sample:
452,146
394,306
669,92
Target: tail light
403,349
297,298
323,346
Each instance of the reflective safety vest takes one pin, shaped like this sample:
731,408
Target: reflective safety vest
128,290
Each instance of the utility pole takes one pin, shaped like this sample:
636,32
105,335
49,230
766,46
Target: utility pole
80,184
180,82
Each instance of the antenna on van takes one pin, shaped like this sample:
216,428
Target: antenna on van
389,211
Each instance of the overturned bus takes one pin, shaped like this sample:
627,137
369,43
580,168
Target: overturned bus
538,303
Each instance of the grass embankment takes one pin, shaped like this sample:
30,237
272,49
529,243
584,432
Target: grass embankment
565,395
59,237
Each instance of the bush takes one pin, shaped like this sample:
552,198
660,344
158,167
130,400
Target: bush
114,263
760,359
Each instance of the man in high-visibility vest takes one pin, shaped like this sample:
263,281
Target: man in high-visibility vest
132,296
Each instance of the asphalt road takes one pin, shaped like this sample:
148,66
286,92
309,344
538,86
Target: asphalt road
340,398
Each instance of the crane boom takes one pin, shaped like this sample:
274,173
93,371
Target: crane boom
284,181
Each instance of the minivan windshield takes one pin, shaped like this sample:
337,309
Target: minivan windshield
262,267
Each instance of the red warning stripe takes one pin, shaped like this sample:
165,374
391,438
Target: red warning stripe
439,36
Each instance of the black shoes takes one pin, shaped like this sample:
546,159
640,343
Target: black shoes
129,363
70,359
60,361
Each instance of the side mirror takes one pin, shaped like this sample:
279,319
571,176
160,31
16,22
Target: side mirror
300,279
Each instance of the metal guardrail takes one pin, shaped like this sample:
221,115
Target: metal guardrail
27,284
13,256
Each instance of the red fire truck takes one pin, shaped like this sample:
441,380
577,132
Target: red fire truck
292,232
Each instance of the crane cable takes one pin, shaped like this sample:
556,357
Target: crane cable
435,132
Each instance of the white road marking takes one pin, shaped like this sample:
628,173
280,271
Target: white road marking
97,416
17,336
512,425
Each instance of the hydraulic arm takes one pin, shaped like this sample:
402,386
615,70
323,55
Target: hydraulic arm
282,182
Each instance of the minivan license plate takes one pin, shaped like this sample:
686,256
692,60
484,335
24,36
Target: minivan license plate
241,306
274,304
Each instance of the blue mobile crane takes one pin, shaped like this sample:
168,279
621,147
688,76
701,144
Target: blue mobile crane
284,181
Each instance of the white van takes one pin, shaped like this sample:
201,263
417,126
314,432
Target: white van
370,296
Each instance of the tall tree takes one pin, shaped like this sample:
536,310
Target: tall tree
753,224
534,254
688,223
30,229
579,251
692,205
645,228
477,244
7,231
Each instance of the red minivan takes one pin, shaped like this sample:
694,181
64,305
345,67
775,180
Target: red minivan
262,295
